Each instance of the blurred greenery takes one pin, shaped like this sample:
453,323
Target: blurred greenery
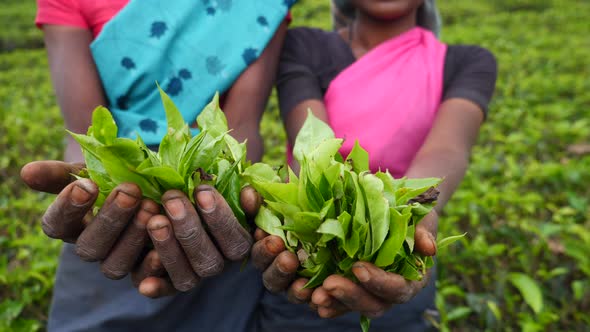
524,265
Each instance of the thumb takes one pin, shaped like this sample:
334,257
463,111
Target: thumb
425,235
250,200
50,176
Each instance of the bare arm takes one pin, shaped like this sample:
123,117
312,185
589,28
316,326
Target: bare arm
247,97
77,86
447,149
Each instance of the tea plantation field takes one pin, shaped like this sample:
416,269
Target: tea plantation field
524,265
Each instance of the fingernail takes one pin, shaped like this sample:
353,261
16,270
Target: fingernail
281,268
175,208
161,233
432,242
338,293
79,195
272,246
124,200
361,272
206,200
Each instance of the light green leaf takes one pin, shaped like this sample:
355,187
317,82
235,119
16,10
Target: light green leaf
313,132
448,241
260,173
166,176
530,291
103,128
174,118
323,154
269,223
212,118
332,227
358,158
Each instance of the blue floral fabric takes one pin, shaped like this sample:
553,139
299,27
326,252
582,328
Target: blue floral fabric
191,48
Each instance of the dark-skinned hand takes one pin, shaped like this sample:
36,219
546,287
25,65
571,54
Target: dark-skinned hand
184,249
375,292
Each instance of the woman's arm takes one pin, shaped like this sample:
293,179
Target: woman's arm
248,96
75,80
447,148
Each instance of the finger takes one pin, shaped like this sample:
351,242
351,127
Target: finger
297,294
390,287
321,297
98,238
170,253
266,250
154,287
327,306
127,249
231,238
50,176
281,272
64,217
259,234
151,266
335,310
425,235
354,297
204,258
250,201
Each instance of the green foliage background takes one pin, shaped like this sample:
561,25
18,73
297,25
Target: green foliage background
524,202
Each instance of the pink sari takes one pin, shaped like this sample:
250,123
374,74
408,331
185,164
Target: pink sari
388,99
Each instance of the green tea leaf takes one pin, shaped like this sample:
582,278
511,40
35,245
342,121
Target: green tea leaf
172,147
325,270
333,227
269,223
448,241
378,209
174,118
212,118
103,128
260,173
395,239
323,154
313,132
166,176
530,291
358,158
365,323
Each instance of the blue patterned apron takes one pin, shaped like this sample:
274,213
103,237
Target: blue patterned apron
192,48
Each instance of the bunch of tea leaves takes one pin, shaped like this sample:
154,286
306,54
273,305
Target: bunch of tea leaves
182,162
336,212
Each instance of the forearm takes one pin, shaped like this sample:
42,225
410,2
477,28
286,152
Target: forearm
247,98
448,164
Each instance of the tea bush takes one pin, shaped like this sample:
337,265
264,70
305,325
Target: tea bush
524,202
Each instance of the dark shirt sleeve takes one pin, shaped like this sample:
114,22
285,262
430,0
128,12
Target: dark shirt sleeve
470,73
296,79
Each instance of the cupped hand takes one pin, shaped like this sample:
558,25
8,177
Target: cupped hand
116,236
191,243
375,292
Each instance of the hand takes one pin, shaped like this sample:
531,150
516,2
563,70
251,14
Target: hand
376,291
106,238
183,250
116,235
